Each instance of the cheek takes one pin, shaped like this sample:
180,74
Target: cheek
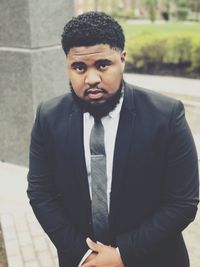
116,72
78,87
113,77
77,82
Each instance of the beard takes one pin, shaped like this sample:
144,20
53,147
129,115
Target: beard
98,109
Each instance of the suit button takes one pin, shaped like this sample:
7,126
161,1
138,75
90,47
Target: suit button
90,223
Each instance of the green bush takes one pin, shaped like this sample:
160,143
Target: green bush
195,53
122,14
178,48
182,13
182,10
147,49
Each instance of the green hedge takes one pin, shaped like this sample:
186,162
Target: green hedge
147,49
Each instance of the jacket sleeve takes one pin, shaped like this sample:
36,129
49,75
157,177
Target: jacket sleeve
180,195
45,201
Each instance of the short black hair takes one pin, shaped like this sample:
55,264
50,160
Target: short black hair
92,28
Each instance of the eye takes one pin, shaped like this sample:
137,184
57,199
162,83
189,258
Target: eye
79,68
103,65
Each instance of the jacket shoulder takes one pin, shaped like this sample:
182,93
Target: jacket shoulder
57,105
147,99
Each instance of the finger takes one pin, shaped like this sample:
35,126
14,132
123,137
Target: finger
88,264
94,246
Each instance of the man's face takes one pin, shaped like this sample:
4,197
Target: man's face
95,72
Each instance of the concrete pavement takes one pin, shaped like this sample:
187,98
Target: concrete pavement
26,243
165,84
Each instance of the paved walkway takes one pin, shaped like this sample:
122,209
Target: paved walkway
26,243
165,84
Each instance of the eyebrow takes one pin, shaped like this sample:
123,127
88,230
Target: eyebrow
78,63
100,61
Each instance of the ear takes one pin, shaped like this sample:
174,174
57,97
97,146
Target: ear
123,59
123,56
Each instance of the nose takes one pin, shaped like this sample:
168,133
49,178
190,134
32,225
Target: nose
92,77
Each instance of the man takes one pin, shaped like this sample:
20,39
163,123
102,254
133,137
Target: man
113,176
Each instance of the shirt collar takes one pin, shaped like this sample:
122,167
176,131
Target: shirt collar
115,112
118,107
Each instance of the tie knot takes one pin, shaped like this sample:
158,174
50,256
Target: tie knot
97,120
97,138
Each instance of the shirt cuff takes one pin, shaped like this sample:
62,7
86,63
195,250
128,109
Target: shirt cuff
85,257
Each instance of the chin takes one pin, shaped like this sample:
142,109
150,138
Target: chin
97,107
98,101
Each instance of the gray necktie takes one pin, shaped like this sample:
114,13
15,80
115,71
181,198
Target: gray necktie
99,183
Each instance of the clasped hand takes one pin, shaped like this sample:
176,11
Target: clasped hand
102,256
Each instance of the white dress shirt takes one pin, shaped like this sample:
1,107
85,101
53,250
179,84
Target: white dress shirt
110,124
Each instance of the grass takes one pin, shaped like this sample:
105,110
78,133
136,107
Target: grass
131,29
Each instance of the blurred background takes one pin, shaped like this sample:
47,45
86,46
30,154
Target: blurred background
163,54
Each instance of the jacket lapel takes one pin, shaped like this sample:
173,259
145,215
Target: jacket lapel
122,145
77,154
121,153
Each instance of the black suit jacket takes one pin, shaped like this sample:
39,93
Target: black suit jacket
154,185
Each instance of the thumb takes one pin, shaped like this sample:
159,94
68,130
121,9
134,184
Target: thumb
94,246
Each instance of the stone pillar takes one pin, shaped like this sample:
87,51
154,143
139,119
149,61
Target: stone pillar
32,67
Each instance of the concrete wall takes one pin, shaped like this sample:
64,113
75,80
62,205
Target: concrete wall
32,67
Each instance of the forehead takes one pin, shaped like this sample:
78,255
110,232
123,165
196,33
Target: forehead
88,53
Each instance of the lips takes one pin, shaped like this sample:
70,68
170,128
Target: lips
95,93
